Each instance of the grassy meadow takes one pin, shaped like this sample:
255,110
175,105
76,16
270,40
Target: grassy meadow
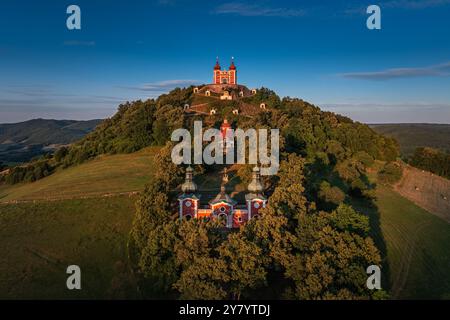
39,240
80,225
416,245
107,174
418,248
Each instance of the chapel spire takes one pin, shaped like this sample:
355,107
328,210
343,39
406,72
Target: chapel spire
255,185
189,185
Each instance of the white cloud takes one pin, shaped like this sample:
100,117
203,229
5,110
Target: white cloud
163,86
79,43
397,4
439,70
415,4
253,10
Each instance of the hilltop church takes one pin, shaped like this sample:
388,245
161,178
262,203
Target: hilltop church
225,76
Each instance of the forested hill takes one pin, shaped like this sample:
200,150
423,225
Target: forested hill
303,126
411,136
20,142
45,131
313,240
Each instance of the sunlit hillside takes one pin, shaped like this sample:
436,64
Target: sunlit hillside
103,176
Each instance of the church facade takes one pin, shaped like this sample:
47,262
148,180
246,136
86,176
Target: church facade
222,207
225,76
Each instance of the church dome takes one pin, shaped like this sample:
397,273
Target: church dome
232,66
189,185
217,66
255,186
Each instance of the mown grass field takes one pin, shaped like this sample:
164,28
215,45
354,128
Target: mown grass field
108,174
39,240
417,246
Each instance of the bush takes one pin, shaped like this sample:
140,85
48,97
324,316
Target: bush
391,173
330,194
365,158
32,172
61,153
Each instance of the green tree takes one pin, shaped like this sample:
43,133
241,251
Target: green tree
244,264
390,173
331,194
331,259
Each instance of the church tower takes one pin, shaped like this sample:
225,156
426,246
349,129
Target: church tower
255,198
217,71
232,73
188,200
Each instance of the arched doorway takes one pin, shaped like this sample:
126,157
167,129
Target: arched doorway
223,219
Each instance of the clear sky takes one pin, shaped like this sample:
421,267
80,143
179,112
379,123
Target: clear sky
320,51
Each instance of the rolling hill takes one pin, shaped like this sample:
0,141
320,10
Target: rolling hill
81,215
413,135
19,142
416,247
104,176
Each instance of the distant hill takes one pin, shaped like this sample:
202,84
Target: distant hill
45,131
413,135
19,142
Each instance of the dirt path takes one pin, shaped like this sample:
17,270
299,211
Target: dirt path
105,195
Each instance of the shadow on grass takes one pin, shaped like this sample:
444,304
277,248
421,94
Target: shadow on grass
370,209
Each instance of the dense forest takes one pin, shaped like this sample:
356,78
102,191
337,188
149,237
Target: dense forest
432,160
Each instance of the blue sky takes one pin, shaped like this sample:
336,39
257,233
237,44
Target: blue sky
320,51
